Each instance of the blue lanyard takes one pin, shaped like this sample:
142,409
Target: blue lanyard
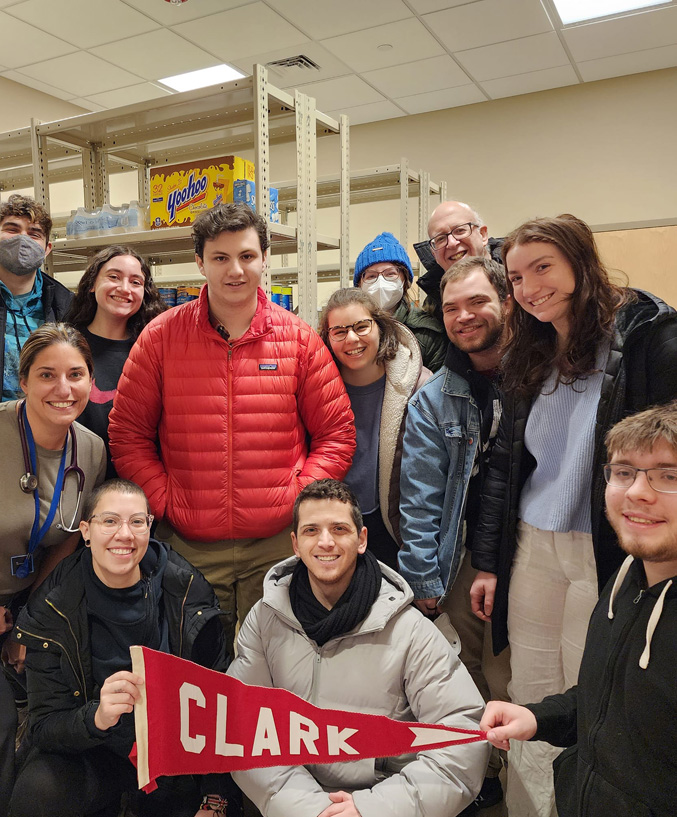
37,535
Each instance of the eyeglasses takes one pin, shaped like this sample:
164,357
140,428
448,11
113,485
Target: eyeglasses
361,328
439,241
663,480
390,274
111,522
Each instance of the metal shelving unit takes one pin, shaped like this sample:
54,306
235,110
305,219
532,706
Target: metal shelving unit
387,183
246,114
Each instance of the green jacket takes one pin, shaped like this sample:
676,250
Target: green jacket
429,332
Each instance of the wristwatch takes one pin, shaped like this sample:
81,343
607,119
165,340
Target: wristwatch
214,802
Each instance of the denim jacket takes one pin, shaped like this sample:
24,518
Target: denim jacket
440,444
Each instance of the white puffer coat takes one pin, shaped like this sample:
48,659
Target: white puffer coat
396,663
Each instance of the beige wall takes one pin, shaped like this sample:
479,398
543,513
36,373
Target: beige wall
19,104
604,151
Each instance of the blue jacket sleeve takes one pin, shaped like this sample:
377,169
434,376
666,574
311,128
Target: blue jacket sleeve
425,465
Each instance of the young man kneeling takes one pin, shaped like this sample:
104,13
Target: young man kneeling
338,628
619,723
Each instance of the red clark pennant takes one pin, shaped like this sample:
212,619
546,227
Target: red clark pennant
192,720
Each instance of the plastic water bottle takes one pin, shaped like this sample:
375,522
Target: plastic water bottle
137,217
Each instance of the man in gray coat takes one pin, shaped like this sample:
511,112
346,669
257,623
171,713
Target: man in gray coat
338,628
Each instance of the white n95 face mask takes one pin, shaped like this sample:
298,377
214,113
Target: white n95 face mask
21,255
387,294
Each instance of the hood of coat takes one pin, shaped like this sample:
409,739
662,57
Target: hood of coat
404,370
394,596
647,308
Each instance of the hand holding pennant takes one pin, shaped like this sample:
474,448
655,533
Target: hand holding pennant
192,720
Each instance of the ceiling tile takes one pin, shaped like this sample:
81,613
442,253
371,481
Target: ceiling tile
128,96
45,87
170,15
636,63
327,18
82,74
155,55
340,93
330,66
409,39
436,100
488,21
425,6
514,57
531,82
637,32
87,22
249,29
16,34
6,3
418,77
375,112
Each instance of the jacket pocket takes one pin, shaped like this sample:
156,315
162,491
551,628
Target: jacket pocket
596,795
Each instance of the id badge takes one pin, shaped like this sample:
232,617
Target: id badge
22,566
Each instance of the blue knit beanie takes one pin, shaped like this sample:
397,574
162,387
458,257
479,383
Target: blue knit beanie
385,247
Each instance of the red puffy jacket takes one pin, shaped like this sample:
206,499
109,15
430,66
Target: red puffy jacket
242,426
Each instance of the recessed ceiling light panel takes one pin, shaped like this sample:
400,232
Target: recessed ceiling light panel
202,78
574,11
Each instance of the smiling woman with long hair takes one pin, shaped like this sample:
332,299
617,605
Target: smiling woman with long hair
50,464
581,354
380,362
116,298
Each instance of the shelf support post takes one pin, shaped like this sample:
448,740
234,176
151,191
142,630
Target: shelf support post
344,192
306,171
404,202
41,179
423,204
262,156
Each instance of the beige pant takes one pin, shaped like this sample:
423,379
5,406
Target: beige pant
490,672
234,567
553,591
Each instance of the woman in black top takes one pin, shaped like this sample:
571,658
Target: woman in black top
116,298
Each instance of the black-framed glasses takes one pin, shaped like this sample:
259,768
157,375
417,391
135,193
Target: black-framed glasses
663,480
361,328
112,522
437,242
390,274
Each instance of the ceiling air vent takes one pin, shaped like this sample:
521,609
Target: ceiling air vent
288,63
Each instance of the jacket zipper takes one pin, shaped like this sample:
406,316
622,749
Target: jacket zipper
183,606
316,672
601,716
229,487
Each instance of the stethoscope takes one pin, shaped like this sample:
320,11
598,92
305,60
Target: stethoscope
29,480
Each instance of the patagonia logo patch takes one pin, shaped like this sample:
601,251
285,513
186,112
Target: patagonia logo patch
267,367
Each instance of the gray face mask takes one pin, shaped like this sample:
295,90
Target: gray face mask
21,255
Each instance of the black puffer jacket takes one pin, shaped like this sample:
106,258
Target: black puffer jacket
619,722
641,370
56,300
62,696
430,281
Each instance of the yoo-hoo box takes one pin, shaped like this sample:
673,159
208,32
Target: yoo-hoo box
179,193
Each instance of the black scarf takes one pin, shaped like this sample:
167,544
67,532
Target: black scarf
320,624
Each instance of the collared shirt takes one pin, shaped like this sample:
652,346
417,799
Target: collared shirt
25,313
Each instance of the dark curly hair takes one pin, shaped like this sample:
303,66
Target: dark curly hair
389,339
83,308
532,349
232,217
328,489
